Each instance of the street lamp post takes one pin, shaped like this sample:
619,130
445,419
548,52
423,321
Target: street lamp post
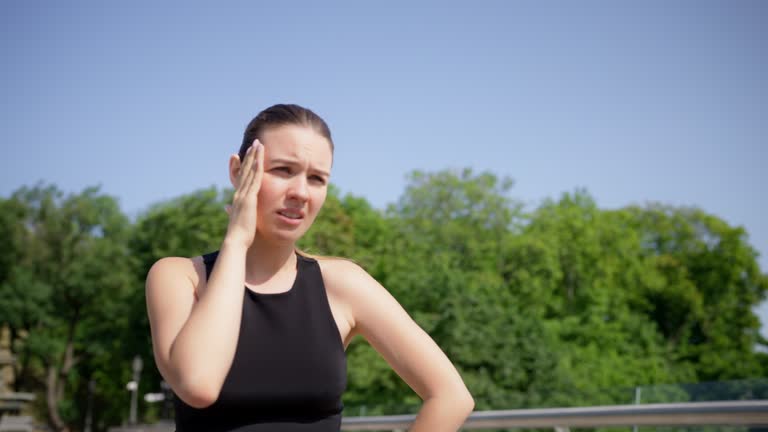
89,409
133,386
168,401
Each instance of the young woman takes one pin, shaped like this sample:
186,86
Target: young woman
252,337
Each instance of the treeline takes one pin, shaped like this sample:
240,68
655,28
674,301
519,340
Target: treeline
560,305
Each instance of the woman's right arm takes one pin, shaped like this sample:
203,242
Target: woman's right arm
194,342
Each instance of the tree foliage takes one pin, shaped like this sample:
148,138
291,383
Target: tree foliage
564,304
64,292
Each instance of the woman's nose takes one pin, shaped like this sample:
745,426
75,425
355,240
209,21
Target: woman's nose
299,189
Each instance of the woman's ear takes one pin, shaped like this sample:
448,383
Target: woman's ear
234,170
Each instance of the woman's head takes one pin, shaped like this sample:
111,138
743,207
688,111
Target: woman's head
298,154
283,115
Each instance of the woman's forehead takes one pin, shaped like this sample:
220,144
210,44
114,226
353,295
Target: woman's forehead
297,142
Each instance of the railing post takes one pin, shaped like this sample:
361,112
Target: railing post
136,365
637,402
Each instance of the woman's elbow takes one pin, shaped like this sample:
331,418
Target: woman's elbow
465,401
194,384
198,394
197,388
457,400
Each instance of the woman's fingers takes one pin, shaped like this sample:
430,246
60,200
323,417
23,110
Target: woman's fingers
242,212
246,171
247,164
257,170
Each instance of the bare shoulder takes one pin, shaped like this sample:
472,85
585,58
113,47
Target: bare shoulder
360,294
171,290
343,277
176,273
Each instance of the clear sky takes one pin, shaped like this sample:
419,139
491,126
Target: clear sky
636,102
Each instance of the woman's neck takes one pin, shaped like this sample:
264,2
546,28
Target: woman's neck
266,259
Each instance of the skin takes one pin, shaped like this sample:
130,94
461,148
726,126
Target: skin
192,319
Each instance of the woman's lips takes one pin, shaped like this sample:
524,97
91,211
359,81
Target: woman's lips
291,216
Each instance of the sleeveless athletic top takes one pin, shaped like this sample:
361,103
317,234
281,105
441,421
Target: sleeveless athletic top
289,369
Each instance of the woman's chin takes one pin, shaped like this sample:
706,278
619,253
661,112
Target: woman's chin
283,234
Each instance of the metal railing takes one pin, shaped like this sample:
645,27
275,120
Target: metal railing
725,413
16,424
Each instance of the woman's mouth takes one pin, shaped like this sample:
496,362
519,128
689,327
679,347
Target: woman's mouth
291,217
295,215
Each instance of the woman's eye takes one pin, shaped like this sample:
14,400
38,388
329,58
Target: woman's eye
286,170
318,179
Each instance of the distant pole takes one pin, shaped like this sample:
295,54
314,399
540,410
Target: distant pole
167,412
637,402
137,366
89,410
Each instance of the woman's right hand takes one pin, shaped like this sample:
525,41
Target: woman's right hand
243,211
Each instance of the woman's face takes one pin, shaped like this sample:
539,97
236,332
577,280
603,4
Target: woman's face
297,167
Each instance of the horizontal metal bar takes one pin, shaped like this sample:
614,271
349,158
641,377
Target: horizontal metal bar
16,396
744,413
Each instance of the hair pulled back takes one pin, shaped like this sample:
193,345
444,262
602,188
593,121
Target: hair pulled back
283,115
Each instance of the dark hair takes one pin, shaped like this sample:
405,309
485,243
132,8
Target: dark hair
282,115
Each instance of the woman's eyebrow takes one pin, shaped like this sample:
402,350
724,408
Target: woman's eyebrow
296,162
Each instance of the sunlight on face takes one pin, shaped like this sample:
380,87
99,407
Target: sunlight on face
298,147
297,167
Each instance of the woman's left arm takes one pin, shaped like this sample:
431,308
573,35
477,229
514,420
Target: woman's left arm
411,352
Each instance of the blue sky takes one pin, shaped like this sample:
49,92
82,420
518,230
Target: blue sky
650,101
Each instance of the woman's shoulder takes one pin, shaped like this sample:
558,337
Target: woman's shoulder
369,307
339,276
180,270
344,277
337,269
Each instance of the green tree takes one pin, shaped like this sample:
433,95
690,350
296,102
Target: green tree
67,284
709,284
445,264
584,270
568,304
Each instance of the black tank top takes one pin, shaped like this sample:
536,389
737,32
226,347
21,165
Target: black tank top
289,369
